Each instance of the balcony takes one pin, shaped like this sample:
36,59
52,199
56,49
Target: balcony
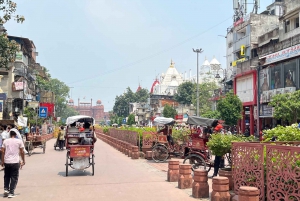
266,38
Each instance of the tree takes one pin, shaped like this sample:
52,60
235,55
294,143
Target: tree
169,111
206,90
286,106
131,119
142,95
230,108
212,114
185,93
8,48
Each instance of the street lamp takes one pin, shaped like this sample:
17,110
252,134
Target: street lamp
197,51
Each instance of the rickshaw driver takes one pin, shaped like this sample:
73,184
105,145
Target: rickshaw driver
167,130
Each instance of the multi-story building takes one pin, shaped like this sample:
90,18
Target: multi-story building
18,81
242,57
279,54
87,108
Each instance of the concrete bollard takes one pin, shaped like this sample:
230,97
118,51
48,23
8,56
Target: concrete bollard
173,170
247,193
185,178
220,186
135,152
148,155
200,184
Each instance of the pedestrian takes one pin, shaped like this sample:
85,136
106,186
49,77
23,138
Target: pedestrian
11,149
61,138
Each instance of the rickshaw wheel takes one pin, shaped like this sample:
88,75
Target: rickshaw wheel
67,164
93,165
44,147
160,153
29,148
196,161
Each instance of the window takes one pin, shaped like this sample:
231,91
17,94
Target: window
276,79
297,22
287,26
290,74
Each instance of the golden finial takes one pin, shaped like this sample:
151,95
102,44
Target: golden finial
172,64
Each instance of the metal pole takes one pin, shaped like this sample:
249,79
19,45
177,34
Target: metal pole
197,84
258,103
198,51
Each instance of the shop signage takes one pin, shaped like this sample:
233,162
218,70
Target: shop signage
19,56
2,96
234,63
17,86
33,104
283,54
266,111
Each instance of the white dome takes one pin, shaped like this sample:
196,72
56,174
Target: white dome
215,64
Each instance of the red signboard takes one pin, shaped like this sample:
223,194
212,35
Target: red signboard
80,151
179,116
50,107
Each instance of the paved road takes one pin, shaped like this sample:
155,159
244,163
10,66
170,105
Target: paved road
117,177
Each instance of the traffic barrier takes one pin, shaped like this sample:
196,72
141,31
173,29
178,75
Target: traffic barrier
148,155
247,193
135,152
185,178
173,170
200,184
220,186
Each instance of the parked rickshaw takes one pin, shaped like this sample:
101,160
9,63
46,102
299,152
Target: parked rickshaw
80,139
160,148
34,141
197,154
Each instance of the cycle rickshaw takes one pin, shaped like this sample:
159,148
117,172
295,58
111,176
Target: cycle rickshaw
196,152
80,139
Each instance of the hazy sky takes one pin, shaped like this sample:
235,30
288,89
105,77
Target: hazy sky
101,47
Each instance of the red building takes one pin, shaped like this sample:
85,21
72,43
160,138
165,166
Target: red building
87,108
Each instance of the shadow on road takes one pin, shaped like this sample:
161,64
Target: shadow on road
77,173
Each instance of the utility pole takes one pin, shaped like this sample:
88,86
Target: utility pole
197,51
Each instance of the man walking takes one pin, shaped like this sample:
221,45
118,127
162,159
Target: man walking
11,149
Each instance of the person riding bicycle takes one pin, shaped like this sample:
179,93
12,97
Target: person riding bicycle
167,130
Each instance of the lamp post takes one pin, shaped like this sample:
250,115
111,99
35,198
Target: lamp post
197,51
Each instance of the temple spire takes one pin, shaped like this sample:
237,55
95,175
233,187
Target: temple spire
172,64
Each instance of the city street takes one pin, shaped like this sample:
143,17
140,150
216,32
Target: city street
117,177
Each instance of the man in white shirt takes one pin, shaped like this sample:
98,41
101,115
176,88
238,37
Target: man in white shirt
11,149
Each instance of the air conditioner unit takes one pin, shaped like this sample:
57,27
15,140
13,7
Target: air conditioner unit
290,89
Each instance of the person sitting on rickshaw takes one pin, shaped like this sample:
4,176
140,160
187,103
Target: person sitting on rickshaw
167,130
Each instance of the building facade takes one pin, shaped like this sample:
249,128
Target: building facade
87,108
279,56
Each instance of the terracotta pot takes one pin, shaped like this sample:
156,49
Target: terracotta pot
227,172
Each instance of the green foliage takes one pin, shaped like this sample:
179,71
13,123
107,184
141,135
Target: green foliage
8,9
121,106
169,111
206,90
286,106
212,114
131,119
32,116
105,130
8,51
288,133
8,48
142,95
221,144
185,93
180,135
230,108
